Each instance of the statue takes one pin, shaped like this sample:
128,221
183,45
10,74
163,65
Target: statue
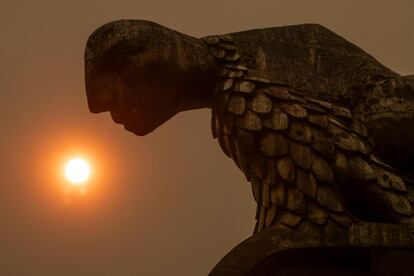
320,129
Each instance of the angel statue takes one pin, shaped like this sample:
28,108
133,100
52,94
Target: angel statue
321,130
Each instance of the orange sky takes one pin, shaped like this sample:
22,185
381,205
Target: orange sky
165,204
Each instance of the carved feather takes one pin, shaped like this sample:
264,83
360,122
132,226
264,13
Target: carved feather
309,161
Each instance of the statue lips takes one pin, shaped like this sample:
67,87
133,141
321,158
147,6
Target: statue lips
123,107
120,116
132,121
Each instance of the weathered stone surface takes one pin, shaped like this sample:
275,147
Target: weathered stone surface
277,195
272,144
227,84
257,216
228,125
211,39
270,215
232,57
316,214
400,204
223,72
245,139
296,201
322,144
344,140
335,122
350,143
271,176
236,104
335,234
249,121
290,219
313,184
374,234
224,142
298,98
217,52
236,67
294,110
239,157
301,155
323,104
379,162
257,166
388,180
235,74
344,75
341,167
300,132
347,140
228,46
256,191
411,196
342,219
359,127
306,183
322,171
215,126
257,79
262,219
309,230
328,199
336,125
341,112
226,37
319,120
383,241
364,147
286,169
277,121
314,108
278,92
261,104
244,86
360,169
266,196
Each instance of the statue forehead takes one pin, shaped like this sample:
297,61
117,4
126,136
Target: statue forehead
111,34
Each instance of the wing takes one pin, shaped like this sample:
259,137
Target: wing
306,159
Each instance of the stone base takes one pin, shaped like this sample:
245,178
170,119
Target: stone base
371,249
337,262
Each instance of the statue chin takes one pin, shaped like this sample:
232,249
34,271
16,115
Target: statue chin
139,127
132,122
138,131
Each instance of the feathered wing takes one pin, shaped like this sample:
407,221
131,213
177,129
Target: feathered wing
305,159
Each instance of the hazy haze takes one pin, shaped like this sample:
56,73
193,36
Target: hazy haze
169,203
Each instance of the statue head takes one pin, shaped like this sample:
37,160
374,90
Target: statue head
144,73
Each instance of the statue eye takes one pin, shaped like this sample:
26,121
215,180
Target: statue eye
119,56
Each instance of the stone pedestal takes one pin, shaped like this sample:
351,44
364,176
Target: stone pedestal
370,249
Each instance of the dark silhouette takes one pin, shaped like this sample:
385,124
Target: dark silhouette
321,130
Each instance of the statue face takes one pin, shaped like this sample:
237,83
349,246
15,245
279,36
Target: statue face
144,74
140,95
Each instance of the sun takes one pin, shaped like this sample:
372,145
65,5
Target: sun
77,171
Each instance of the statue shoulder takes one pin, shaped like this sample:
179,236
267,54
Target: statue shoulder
308,56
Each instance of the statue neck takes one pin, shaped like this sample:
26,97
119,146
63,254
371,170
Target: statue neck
200,75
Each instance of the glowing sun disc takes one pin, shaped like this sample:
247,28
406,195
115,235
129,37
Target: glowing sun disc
77,170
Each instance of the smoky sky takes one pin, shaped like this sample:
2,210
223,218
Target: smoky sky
169,203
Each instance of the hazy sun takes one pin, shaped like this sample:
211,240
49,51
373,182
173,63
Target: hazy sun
77,170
